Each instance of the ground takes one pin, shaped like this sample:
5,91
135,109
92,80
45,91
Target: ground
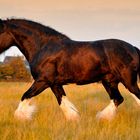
49,122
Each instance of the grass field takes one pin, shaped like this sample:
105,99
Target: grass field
50,124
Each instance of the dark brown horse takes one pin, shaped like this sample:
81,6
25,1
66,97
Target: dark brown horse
56,60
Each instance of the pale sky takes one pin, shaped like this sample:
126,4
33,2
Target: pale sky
80,19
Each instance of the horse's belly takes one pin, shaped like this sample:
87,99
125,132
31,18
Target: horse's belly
89,77
81,68
80,76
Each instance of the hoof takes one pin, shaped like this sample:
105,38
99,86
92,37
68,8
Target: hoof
103,116
69,110
25,111
72,116
108,113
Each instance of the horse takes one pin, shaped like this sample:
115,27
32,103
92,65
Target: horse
56,60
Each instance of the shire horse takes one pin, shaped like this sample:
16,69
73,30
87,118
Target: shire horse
56,60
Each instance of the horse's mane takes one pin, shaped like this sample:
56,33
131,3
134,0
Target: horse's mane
36,26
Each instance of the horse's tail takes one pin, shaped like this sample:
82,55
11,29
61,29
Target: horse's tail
138,51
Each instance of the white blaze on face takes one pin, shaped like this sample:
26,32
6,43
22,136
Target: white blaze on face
69,110
25,110
136,99
108,113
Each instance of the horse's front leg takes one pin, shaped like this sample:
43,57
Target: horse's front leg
69,110
25,110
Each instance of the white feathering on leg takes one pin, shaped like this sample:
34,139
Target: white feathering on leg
25,110
108,113
69,110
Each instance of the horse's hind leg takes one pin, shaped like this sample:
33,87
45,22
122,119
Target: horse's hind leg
135,92
130,82
69,110
25,110
116,99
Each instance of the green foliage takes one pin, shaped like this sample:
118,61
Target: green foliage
14,70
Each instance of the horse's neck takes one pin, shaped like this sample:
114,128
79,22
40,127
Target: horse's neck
29,43
28,50
6,41
26,45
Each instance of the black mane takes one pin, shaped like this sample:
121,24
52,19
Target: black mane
36,26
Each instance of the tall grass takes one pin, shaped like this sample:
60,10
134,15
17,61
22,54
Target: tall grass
50,124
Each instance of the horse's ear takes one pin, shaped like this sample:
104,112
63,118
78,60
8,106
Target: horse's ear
1,25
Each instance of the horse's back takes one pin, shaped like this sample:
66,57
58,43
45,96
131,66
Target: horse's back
87,62
120,54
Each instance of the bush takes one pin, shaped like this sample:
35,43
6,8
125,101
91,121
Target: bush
15,70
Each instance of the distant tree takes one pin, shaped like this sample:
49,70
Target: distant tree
20,70
6,71
15,70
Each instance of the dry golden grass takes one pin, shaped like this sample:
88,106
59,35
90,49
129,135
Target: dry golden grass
50,124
